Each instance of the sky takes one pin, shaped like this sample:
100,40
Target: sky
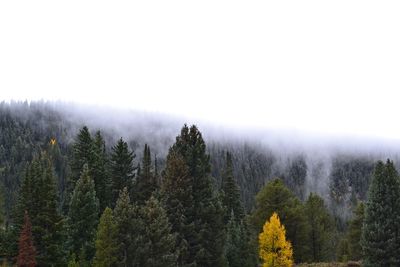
317,66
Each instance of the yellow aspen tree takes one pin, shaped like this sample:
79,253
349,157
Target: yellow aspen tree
274,249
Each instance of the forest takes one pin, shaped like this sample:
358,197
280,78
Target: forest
79,193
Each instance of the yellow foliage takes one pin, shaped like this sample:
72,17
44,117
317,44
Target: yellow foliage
53,141
274,250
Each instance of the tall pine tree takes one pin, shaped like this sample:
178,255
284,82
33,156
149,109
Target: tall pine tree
26,249
122,169
82,153
381,229
83,217
354,232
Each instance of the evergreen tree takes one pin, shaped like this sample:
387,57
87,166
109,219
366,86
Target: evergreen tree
26,249
106,241
99,172
122,170
230,192
354,234
82,153
208,212
276,197
158,249
274,250
321,227
380,232
83,217
146,181
177,197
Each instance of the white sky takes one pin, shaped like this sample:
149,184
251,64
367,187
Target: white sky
321,66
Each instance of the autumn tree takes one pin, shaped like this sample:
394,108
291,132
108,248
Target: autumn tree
274,249
26,249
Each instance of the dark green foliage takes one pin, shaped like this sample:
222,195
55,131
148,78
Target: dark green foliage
276,197
146,180
321,229
38,195
82,153
380,232
230,192
207,214
158,248
83,217
122,170
298,174
106,241
354,232
99,172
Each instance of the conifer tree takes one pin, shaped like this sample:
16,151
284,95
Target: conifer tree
158,248
354,232
83,217
82,153
122,169
208,212
276,197
99,172
380,232
274,249
26,249
230,192
146,181
106,241
320,228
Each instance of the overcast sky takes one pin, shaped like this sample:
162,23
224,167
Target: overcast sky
320,66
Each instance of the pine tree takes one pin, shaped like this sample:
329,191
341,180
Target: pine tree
354,232
321,228
158,249
230,192
106,241
82,153
100,173
26,249
276,197
146,181
208,212
380,233
122,170
83,216
177,197
274,250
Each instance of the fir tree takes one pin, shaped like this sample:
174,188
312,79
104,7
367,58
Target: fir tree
146,181
354,232
380,232
321,228
274,250
26,249
82,153
230,192
83,216
106,241
122,170
100,173
158,249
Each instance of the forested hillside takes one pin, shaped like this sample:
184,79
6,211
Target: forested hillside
123,166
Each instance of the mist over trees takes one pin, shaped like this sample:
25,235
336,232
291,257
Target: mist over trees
159,194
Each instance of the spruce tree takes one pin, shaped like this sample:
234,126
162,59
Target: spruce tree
146,181
354,232
99,172
26,249
320,228
208,212
380,233
106,241
158,249
83,217
82,153
230,192
122,169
